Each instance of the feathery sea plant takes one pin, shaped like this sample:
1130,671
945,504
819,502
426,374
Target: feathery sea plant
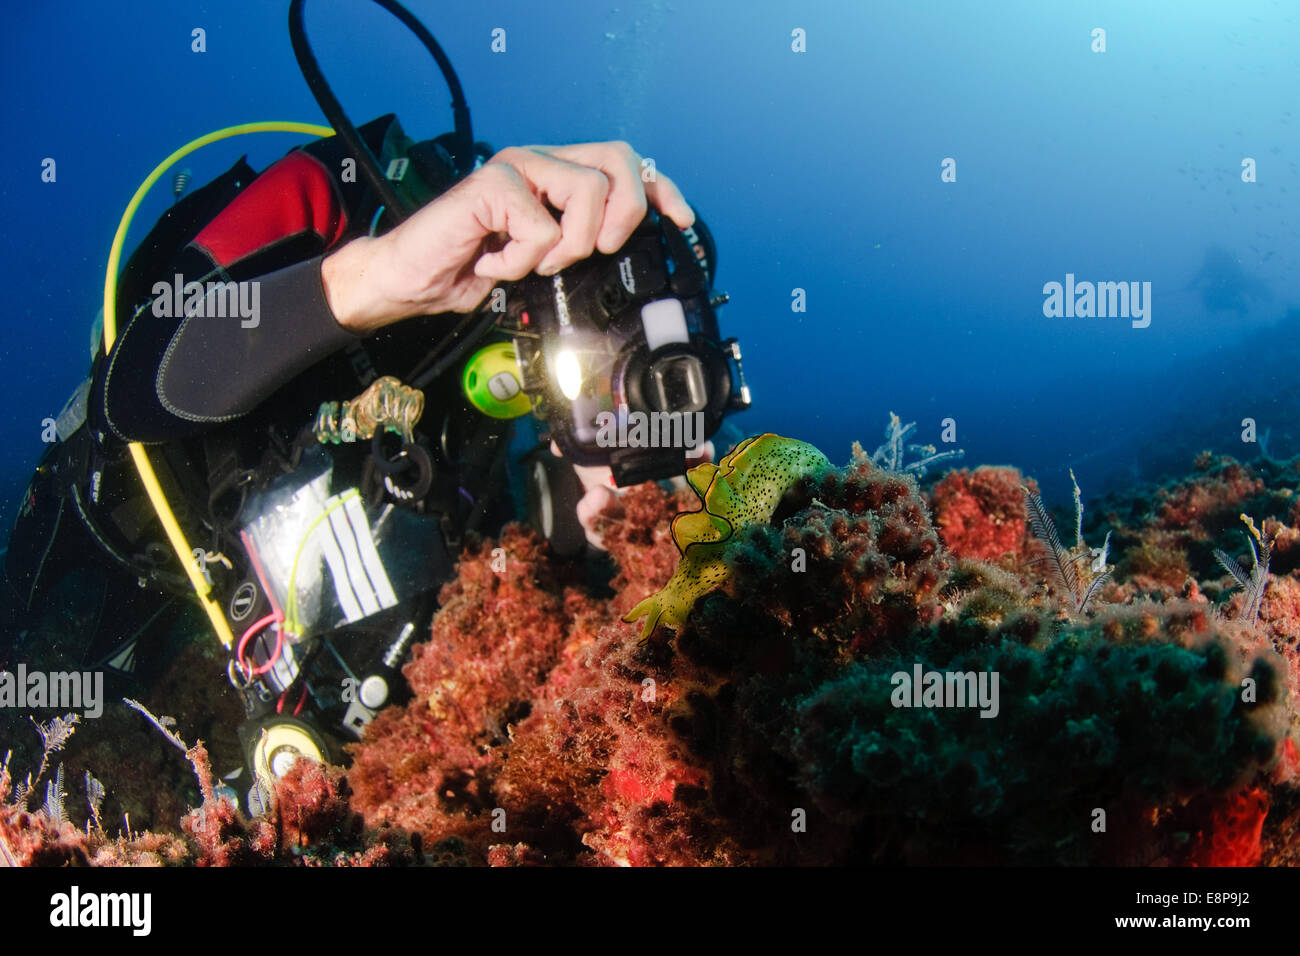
54,734
1254,582
54,797
892,454
1081,584
95,794
196,755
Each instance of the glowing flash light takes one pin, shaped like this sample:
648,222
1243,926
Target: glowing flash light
568,373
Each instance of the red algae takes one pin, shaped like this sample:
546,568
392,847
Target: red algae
980,513
543,731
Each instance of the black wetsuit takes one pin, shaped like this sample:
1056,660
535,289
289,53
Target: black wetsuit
170,377
223,400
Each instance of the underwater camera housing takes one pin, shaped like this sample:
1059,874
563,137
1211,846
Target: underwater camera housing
621,353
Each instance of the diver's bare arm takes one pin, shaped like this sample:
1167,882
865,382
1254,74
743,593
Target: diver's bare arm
353,292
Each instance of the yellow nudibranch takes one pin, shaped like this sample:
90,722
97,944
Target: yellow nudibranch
744,488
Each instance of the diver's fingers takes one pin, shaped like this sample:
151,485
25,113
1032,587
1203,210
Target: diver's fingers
668,199
626,204
631,185
582,211
590,508
506,206
578,191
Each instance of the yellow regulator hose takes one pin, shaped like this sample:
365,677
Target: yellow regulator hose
142,465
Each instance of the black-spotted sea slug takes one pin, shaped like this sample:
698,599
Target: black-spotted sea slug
743,488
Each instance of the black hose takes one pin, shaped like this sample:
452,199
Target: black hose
463,146
434,354
455,351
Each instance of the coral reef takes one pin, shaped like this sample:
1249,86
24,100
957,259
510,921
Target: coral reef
1182,539
763,731
504,621
873,675
980,513
741,490
309,822
1093,724
143,782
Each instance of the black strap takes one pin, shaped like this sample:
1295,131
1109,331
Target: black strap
228,481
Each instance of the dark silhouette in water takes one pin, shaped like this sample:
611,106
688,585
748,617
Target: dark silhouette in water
1224,286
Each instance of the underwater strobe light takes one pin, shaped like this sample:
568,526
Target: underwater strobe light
621,355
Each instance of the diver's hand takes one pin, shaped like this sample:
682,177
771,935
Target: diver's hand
600,492
494,225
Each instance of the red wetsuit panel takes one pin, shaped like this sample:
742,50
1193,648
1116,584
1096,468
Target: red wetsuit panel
295,195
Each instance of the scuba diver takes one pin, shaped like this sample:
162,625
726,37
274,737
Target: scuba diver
285,426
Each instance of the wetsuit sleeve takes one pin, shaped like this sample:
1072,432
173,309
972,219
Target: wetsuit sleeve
241,313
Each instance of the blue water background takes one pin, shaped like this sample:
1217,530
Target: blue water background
817,171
